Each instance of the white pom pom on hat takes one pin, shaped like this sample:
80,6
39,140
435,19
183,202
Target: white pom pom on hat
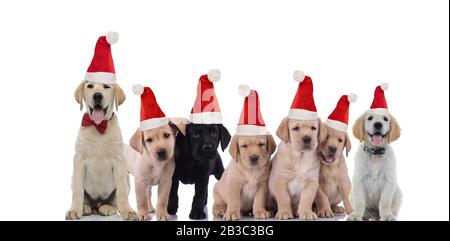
299,76
384,86
352,97
138,89
112,37
244,90
214,75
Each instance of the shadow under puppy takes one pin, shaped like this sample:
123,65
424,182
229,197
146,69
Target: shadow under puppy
100,182
376,194
294,177
243,187
150,156
196,154
334,182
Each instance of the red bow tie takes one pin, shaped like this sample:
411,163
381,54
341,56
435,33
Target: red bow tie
87,121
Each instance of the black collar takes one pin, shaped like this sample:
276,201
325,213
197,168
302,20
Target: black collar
375,150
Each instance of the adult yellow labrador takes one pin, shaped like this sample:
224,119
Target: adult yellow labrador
100,181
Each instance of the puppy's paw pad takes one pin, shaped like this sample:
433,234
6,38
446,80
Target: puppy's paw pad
74,214
219,210
283,215
354,217
325,213
87,210
162,216
338,209
262,214
130,215
106,210
232,216
143,216
307,215
197,214
388,217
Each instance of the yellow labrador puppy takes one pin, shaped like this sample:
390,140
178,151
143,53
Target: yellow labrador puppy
243,186
294,177
150,159
100,181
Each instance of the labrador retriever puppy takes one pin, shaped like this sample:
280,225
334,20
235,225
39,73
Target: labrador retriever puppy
150,159
334,183
243,187
196,158
294,177
375,194
100,181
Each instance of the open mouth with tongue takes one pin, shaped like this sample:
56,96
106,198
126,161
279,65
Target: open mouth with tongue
328,159
376,138
98,113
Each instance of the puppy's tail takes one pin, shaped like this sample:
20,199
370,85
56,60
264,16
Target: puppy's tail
218,171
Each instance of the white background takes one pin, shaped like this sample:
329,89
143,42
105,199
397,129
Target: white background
345,46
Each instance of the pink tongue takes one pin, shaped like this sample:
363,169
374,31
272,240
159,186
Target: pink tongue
329,158
377,139
97,116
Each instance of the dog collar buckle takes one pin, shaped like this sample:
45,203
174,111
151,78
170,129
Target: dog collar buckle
375,151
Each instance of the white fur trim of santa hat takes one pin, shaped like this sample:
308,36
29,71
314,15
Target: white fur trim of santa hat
214,75
112,37
138,89
337,125
101,77
244,90
206,118
301,114
299,76
153,123
251,130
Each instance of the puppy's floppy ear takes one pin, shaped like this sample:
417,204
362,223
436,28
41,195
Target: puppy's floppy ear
322,132
119,96
79,94
348,145
358,127
394,130
179,124
283,130
224,137
234,148
271,145
136,141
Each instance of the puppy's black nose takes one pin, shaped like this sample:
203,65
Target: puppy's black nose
207,147
97,97
332,149
162,153
254,159
306,139
377,125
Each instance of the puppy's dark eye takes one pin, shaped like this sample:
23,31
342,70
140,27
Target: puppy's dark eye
340,140
313,128
106,86
166,135
385,119
90,86
213,133
261,144
370,118
149,140
195,135
244,146
296,128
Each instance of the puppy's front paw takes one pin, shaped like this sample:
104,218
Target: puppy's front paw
325,213
262,214
232,215
130,215
284,214
197,214
388,217
307,214
219,210
74,214
143,216
338,209
172,210
162,215
354,217
87,210
106,210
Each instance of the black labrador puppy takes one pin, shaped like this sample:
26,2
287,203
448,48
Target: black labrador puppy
196,158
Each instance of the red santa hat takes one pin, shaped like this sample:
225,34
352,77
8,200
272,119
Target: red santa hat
379,104
206,108
152,116
339,117
303,106
101,69
251,122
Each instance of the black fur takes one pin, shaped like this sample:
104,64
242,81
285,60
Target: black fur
195,162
